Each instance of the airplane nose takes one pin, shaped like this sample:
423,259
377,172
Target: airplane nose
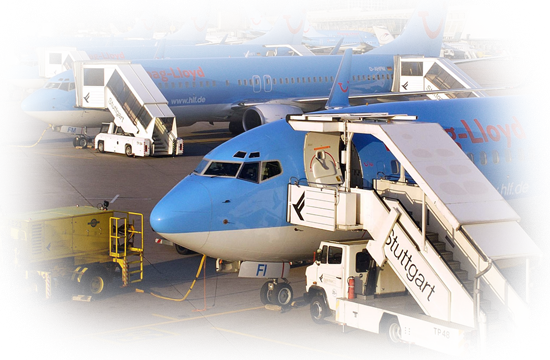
184,215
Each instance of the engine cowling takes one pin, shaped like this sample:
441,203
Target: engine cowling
262,114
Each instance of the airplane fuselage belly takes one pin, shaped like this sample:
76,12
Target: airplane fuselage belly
78,117
190,114
283,243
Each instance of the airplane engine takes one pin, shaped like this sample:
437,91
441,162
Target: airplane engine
262,114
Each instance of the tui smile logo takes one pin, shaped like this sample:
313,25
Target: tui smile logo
342,87
145,23
432,34
259,21
294,30
200,28
299,206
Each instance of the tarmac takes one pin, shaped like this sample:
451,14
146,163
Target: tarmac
223,318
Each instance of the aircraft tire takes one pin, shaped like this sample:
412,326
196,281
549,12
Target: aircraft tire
392,329
83,142
265,295
284,294
318,309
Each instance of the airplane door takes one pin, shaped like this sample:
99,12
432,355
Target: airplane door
322,159
267,83
256,83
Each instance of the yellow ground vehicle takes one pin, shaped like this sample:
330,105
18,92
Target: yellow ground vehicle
79,245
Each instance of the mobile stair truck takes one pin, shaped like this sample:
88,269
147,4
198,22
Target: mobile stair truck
430,273
82,247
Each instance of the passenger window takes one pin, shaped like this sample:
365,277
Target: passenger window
249,172
521,154
471,157
334,255
531,153
270,169
496,157
483,158
508,155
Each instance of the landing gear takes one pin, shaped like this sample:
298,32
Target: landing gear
276,293
81,141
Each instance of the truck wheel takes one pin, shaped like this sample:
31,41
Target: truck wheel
83,142
318,309
266,295
101,147
182,250
284,294
393,333
94,282
128,150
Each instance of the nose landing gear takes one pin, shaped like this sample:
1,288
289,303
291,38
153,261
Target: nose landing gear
276,293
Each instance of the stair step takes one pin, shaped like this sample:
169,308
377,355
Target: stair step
469,286
485,304
439,246
462,275
432,237
454,265
491,314
447,255
497,326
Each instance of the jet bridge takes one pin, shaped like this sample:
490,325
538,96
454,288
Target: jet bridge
445,236
136,103
417,74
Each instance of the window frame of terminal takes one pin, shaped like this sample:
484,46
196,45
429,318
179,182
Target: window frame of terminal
261,168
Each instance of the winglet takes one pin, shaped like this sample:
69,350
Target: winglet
194,29
532,74
111,40
147,23
337,47
339,95
161,47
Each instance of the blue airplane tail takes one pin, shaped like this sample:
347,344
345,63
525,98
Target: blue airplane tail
423,34
194,29
339,95
258,22
309,31
147,23
288,28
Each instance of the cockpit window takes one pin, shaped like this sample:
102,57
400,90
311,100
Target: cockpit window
249,172
199,169
271,169
217,168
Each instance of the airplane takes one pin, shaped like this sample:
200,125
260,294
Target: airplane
226,210
186,43
140,35
249,92
312,37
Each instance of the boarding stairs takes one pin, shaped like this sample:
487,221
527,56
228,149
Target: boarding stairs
449,201
55,60
137,105
434,76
